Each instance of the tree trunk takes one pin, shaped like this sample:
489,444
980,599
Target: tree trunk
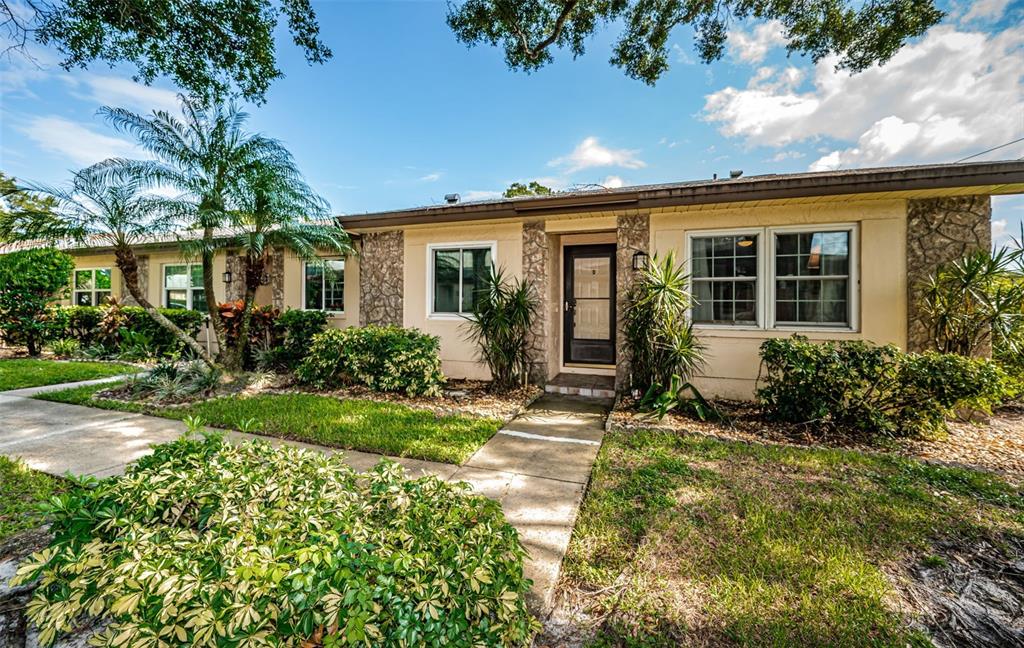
129,267
212,307
254,268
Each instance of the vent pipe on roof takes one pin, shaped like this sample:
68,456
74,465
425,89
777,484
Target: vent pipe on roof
735,173
451,199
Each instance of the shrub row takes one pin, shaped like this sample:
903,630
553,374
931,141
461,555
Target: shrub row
864,390
206,543
105,326
384,358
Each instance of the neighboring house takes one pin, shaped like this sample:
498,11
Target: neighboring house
830,255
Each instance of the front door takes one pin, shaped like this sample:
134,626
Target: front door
588,312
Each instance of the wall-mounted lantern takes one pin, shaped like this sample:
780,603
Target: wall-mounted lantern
227,277
640,260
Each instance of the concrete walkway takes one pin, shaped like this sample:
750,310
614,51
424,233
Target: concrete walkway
536,467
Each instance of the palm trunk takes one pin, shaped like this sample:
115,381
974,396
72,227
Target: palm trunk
254,267
129,267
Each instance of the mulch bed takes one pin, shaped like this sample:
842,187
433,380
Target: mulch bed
995,445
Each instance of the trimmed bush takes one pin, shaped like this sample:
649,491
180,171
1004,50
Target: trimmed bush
862,390
384,358
104,326
296,329
211,543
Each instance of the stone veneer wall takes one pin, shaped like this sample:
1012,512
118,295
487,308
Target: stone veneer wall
633,233
235,290
126,298
381,278
536,271
940,230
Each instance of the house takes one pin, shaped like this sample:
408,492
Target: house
834,255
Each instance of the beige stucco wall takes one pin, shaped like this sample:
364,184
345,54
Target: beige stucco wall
293,289
458,357
732,355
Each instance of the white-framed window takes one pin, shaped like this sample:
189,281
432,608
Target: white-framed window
323,285
799,277
456,274
183,286
725,272
91,286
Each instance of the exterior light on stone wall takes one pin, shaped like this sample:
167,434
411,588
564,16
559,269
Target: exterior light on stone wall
227,277
640,260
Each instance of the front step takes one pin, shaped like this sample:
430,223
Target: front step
582,385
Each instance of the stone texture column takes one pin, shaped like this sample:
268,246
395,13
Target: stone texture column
143,261
940,230
537,271
381,278
275,270
235,290
633,233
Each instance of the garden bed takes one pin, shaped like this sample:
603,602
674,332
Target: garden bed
995,445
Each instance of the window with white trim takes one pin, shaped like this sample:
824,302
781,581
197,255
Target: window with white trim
324,285
812,278
458,274
91,286
724,271
798,277
183,287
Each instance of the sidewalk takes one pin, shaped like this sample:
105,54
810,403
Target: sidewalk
536,467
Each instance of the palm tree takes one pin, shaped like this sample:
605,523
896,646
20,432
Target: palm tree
275,208
93,209
205,155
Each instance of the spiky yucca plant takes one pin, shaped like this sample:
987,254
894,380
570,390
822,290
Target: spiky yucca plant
504,310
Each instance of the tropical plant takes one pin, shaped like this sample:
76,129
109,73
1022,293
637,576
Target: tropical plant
273,209
135,345
658,334
117,211
861,390
206,156
211,543
383,358
65,347
31,280
678,395
976,302
504,311
170,381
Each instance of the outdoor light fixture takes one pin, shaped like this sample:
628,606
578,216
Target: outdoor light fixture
746,241
640,260
264,279
227,277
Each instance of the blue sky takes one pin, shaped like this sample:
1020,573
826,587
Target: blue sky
403,114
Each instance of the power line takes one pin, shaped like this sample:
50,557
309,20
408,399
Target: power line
994,148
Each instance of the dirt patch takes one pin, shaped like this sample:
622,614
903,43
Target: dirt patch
971,595
993,445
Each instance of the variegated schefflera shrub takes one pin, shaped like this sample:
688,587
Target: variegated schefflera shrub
209,543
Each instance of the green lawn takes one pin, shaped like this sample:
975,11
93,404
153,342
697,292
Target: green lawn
388,428
698,541
21,491
30,372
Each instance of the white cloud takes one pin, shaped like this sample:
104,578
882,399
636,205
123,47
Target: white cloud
431,177
951,94
120,92
77,142
1000,230
753,46
590,153
782,156
613,182
989,10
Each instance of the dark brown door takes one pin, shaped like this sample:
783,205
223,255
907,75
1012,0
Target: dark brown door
588,312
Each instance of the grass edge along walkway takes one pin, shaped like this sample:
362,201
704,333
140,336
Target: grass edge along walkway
23,373
353,424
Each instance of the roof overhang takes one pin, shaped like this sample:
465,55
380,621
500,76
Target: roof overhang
754,188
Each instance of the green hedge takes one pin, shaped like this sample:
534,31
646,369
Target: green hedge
862,390
101,325
206,542
296,330
385,358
